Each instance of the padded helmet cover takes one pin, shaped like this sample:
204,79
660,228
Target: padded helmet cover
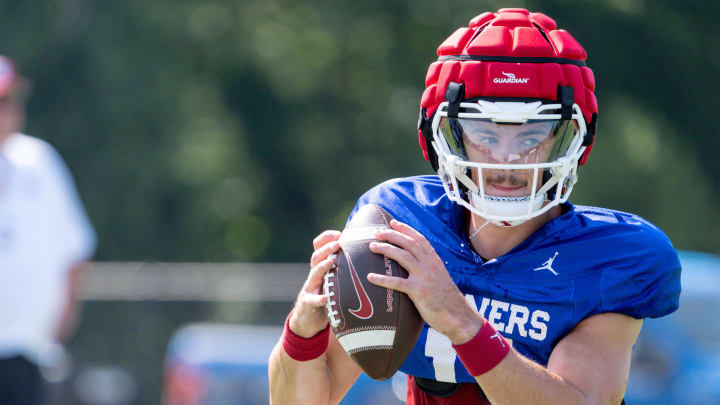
510,54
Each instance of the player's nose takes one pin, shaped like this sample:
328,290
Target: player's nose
503,152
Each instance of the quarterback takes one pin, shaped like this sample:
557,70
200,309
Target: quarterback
526,298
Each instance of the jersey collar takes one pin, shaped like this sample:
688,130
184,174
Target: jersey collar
550,231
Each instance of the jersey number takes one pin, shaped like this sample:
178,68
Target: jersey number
439,348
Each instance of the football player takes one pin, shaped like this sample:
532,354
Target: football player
527,298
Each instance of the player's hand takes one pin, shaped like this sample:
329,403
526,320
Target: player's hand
428,285
309,316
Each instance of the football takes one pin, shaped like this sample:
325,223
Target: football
376,326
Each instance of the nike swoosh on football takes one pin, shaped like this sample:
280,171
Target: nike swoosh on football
365,310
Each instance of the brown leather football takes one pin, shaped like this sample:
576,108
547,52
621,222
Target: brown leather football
376,326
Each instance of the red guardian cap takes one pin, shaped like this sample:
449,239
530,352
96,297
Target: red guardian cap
9,75
511,54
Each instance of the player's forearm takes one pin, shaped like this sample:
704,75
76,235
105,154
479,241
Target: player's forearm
296,382
518,380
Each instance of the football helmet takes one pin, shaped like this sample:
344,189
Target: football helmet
508,114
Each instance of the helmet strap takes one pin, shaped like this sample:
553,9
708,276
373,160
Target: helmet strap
590,133
566,99
425,130
454,95
546,176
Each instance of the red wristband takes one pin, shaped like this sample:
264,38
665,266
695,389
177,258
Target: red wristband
304,349
483,352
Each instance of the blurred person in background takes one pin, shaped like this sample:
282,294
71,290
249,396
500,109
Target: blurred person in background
46,240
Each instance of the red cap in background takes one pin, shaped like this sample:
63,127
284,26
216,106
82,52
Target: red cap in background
9,75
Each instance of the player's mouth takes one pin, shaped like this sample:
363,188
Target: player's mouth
505,190
504,185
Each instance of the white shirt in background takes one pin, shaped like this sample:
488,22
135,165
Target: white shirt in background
44,233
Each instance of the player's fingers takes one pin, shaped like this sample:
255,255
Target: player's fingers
324,238
314,300
308,317
401,240
394,283
402,256
317,273
322,252
410,231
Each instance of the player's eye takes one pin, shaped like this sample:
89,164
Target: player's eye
483,140
530,142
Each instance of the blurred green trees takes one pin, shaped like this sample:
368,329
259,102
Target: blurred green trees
238,130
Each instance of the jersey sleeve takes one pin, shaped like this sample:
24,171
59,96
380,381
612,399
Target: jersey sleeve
643,282
388,196
418,201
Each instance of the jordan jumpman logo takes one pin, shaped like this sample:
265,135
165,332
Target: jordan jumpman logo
548,265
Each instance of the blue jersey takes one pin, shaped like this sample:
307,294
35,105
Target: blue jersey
584,262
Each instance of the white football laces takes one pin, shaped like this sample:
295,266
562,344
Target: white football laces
329,305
